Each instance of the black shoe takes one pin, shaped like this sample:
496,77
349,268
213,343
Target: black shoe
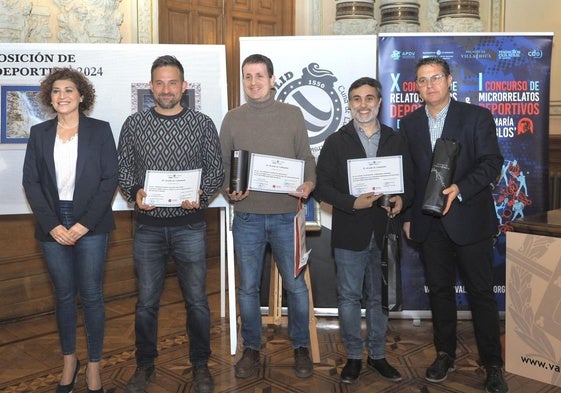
351,371
439,369
203,380
248,364
303,366
68,388
140,379
495,382
383,368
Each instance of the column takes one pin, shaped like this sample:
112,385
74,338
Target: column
458,15
354,17
399,16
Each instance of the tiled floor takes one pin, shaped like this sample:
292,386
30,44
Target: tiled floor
30,358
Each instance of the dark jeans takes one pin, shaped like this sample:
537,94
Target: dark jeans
73,269
152,247
442,258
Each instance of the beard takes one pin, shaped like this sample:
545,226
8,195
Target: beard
364,119
167,102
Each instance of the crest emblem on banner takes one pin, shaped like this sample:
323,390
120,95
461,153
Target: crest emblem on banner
318,97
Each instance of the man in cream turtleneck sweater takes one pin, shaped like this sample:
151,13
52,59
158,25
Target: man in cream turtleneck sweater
265,126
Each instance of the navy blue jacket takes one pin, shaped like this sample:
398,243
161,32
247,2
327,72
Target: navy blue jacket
352,230
96,177
477,168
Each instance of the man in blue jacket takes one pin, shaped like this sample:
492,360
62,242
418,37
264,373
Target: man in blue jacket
358,227
462,239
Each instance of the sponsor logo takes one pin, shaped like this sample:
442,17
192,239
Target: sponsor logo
509,54
406,54
536,53
445,54
476,54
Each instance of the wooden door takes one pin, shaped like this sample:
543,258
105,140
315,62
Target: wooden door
223,22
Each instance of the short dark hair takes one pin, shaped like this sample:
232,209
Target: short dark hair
434,60
259,59
84,86
366,80
167,60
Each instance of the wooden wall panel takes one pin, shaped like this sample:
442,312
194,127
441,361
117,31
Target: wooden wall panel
209,28
178,26
190,22
554,153
25,285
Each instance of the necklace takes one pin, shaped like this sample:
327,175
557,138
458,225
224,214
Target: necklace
66,127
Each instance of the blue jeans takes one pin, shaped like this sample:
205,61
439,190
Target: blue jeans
359,277
152,247
78,269
251,233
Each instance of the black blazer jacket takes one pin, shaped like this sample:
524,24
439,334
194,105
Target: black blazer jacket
477,169
96,177
352,230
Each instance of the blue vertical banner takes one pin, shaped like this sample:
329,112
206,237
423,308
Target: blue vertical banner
510,75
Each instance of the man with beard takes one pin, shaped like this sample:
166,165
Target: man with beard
169,137
358,228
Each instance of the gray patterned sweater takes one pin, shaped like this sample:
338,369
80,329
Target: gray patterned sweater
186,141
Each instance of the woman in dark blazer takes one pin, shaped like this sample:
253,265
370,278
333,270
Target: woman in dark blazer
70,176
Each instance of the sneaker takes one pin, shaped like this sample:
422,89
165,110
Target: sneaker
351,371
303,366
248,364
386,371
203,380
495,382
140,379
439,369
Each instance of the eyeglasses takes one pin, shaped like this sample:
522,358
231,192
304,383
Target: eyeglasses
434,80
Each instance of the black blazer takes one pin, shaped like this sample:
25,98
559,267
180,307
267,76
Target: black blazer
477,169
96,177
352,230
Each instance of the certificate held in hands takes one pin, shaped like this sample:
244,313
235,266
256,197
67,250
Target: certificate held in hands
171,188
275,174
239,161
382,175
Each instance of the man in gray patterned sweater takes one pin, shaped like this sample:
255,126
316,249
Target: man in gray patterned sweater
169,137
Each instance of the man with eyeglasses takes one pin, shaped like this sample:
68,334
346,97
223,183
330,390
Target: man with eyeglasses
462,238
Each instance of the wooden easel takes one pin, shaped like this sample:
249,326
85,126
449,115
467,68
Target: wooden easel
275,307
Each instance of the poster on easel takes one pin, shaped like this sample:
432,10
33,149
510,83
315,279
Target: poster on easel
120,74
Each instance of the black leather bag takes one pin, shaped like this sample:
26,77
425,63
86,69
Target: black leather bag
441,173
392,296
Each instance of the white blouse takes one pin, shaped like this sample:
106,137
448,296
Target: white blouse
65,156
